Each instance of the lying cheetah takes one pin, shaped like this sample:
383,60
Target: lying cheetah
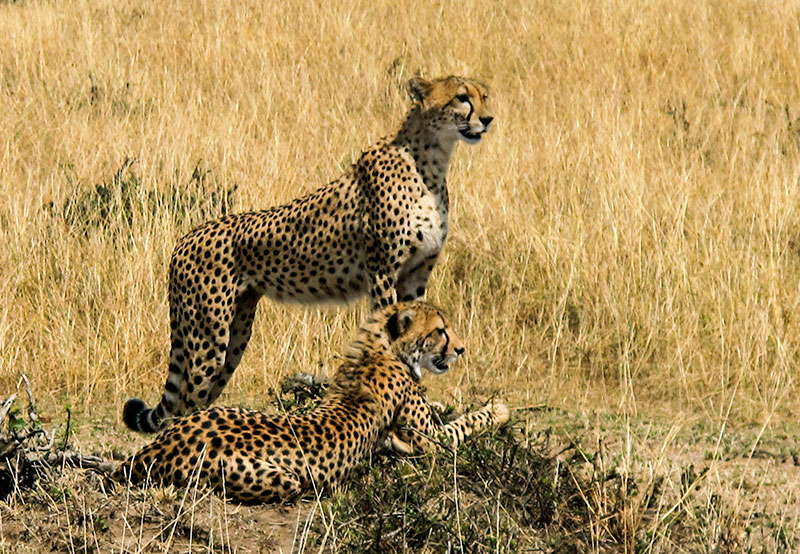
378,229
253,457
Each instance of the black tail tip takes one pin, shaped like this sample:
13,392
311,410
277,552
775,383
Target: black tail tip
131,413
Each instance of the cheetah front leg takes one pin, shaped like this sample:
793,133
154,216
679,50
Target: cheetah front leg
491,415
386,232
382,291
416,431
413,283
383,268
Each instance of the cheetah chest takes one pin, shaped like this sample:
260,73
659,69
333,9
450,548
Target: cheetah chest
429,228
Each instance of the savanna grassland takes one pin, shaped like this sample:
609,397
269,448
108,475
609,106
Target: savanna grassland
623,261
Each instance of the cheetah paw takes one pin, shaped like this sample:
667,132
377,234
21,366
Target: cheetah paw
437,406
395,443
500,412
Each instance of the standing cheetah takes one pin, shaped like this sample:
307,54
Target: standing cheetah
378,229
255,457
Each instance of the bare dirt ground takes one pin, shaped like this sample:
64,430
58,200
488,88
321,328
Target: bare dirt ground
74,514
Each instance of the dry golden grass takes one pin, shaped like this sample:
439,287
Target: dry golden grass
624,240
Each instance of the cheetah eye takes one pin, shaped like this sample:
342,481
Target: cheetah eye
463,98
485,97
441,331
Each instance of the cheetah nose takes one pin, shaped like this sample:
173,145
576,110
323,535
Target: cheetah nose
486,120
460,350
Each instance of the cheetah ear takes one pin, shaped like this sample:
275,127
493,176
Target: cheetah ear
419,89
398,323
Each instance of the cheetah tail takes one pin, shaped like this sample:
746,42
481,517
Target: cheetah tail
138,417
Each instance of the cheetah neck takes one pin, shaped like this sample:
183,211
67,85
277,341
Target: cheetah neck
431,151
367,343
372,344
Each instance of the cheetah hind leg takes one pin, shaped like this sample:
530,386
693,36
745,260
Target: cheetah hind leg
262,482
183,392
241,330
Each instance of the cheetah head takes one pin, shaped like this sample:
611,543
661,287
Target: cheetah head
421,336
455,107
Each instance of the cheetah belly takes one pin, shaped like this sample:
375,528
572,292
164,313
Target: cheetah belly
316,271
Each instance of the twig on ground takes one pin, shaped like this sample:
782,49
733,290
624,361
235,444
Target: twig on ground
31,404
40,451
66,433
7,406
302,380
74,459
